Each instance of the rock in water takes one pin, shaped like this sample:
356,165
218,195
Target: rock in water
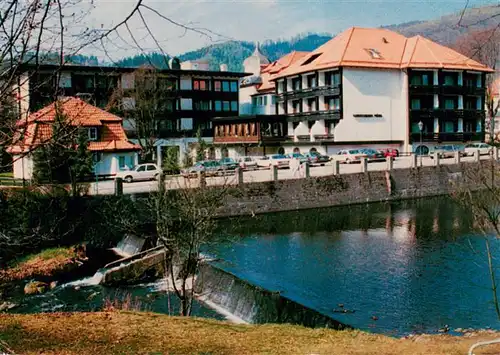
53,285
35,287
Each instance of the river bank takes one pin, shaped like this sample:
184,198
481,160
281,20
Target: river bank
140,333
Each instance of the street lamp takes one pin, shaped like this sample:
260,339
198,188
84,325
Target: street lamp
420,128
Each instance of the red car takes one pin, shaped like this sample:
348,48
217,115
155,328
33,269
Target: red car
390,152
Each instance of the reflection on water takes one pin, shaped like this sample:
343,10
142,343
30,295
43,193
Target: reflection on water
416,266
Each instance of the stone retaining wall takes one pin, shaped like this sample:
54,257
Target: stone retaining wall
338,190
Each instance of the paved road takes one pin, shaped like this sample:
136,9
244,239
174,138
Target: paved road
107,187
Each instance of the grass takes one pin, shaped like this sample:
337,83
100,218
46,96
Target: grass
6,175
147,333
44,263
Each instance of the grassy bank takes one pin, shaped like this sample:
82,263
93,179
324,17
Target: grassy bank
146,333
46,263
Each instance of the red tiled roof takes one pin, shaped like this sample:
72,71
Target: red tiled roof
37,128
381,48
275,67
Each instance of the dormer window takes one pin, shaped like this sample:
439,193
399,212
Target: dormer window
92,134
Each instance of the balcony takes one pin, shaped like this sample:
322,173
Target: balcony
461,137
424,89
314,116
425,114
324,137
446,90
330,90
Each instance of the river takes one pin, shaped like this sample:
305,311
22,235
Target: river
404,267
399,268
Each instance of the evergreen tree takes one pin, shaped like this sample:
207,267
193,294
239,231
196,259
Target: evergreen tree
64,157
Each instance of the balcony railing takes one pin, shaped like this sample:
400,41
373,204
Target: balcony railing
314,116
324,137
330,90
446,89
467,114
439,137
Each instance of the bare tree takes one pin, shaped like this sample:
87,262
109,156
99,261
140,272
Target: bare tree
186,220
484,46
147,106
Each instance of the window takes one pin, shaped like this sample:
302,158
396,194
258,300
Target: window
254,101
225,86
202,105
449,104
416,80
234,106
234,86
425,79
150,167
311,59
92,134
311,81
281,86
259,100
121,162
415,104
141,168
199,84
449,127
265,100
311,103
218,106
332,103
273,100
336,79
186,124
217,85
449,80
225,106
297,84
297,106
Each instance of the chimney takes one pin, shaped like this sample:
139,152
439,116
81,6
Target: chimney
223,67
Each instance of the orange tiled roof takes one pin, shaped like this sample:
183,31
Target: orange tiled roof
381,48
77,111
37,128
275,67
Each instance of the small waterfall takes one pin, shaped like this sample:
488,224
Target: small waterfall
88,281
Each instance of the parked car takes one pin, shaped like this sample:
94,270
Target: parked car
348,156
248,163
390,152
447,151
209,167
472,148
228,163
281,161
262,162
139,173
301,157
315,158
373,155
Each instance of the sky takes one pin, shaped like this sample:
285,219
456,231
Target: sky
256,20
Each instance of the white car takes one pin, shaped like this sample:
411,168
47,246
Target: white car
248,163
348,156
281,161
139,172
472,148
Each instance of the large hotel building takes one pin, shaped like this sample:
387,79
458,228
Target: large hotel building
365,87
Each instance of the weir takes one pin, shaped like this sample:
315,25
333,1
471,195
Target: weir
254,304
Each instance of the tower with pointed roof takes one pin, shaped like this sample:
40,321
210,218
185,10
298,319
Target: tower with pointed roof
255,62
